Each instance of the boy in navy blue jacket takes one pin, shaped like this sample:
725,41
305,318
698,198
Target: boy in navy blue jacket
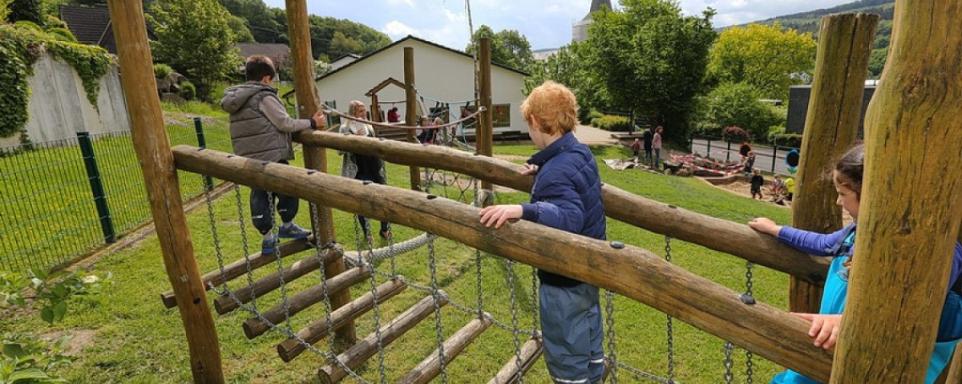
567,196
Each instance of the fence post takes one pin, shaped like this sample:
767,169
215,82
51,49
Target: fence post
708,151
96,186
728,152
774,157
202,143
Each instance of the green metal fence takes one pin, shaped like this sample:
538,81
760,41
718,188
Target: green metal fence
62,199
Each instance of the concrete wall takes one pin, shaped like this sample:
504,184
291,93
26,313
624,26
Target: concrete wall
439,74
58,106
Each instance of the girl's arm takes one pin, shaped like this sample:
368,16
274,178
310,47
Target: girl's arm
812,243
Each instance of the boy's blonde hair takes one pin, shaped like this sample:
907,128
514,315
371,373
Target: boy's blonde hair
553,106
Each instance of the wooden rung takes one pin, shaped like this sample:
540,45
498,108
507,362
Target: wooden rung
364,349
318,330
254,326
430,367
239,267
509,373
265,285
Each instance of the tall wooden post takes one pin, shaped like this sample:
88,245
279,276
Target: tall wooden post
485,131
163,192
315,157
411,109
831,127
911,201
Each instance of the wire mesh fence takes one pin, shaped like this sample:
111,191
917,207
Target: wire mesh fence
62,199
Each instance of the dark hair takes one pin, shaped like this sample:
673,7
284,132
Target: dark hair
257,67
850,167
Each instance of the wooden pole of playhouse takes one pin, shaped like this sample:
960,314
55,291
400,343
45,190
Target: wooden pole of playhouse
315,157
411,109
911,201
831,127
163,191
484,133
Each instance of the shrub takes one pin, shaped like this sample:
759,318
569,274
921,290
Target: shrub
161,71
612,123
63,34
737,104
735,134
793,140
187,90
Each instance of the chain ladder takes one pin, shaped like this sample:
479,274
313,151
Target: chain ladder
245,243
438,330
322,272
670,327
612,350
360,245
509,264
749,282
729,364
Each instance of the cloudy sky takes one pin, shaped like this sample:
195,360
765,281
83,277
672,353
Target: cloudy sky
547,24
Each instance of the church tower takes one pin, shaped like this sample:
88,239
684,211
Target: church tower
579,32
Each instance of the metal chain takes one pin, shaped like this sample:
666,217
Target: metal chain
612,350
535,307
729,364
322,272
670,327
376,308
477,259
245,244
514,316
280,263
438,330
749,282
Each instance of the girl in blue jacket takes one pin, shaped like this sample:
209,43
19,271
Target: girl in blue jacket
847,177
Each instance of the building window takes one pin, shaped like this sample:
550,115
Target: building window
501,115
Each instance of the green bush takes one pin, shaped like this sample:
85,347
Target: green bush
161,71
4,10
28,10
737,104
63,34
187,90
13,100
793,140
612,123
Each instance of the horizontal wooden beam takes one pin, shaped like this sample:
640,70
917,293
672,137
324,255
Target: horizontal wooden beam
302,300
431,367
513,370
239,268
359,353
721,235
629,271
318,330
226,303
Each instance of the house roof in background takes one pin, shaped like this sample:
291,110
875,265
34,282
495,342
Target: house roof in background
90,24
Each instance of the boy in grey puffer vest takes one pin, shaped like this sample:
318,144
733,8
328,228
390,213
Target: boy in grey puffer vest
260,129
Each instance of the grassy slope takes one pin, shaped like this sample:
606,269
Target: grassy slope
139,341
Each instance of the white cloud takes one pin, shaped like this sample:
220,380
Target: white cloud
409,3
396,29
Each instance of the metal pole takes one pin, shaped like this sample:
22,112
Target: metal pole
96,186
708,151
774,156
728,153
202,143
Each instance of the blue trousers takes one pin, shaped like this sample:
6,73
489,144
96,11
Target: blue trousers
571,327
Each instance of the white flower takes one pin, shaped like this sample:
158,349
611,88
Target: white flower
90,279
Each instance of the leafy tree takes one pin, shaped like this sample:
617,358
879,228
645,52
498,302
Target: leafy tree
332,38
25,10
261,20
652,60
239,26
4,10
876,62
508,47
737,104
764,56
194,37
570,66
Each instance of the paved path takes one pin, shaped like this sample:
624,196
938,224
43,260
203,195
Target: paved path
593,136
763,154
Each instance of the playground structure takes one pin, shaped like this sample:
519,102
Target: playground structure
908,226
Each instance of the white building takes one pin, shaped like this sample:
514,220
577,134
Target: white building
442,75
344,60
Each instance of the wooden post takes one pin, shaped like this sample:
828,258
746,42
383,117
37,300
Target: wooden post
411,109
484,133
911,201
375,109
626,270
163,192
831,127
315,157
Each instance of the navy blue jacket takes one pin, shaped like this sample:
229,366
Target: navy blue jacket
566,195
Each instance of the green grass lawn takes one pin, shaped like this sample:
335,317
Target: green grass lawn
137,340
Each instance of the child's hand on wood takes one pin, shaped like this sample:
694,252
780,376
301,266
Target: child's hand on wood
529,169
824,330
497,215
765,225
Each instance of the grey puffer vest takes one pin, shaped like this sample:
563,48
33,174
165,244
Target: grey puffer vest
252,133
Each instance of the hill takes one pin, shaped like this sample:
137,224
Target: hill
809,22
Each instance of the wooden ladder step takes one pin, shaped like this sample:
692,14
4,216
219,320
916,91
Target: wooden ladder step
255,326
239,268
430,367
318,330
510,373
225,303
364,349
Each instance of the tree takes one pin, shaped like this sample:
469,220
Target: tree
25,10
239,26
876,61
737,104
765,56
4,10
261,20
569,66
508,47
332,38
194,37
652,60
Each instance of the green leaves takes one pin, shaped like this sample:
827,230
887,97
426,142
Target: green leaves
765,56
508,47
